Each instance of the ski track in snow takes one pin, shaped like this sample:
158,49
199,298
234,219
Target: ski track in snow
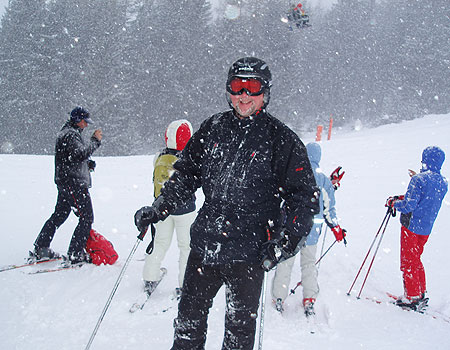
60,310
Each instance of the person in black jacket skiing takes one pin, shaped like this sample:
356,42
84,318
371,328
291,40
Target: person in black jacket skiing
73,179
247,162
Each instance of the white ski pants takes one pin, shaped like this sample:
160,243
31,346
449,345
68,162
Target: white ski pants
163,238
282,278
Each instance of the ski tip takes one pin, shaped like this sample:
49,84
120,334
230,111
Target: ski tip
135,307
392,296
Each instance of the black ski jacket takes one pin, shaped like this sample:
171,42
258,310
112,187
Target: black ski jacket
71,157
246,167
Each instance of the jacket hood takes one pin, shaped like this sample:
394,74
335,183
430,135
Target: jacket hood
314,152
178,134
432,158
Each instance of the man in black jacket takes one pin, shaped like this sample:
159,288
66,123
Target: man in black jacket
247,162
73,179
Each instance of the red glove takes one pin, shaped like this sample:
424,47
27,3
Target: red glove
391,200
335,177
339,233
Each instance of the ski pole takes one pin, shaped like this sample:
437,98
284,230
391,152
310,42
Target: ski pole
331,246
388,213
317,262
116,285
263,309
323,243
374,254
263,291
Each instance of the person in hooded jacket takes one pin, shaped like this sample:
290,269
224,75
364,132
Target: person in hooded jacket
327,214
419,208
246,162
177,135
298,15
73,180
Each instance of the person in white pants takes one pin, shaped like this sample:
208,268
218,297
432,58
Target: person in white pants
177,135
163,238
282,278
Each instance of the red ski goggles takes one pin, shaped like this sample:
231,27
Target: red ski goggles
252,86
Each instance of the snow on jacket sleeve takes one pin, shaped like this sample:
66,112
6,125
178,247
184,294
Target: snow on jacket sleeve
412,196
297,183
329,203
422,202
75,148
71,155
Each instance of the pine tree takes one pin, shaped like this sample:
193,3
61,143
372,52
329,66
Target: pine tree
24,79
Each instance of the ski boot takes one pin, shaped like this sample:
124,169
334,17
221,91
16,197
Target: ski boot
78,258
177,293
278,304
150,286
41,254
418,304
308,305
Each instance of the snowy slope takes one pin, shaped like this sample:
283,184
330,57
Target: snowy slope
59,310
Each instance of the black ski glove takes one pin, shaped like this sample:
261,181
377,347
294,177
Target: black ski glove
144,217
91,165
280,249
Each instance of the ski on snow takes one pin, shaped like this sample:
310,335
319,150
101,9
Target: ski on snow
33,263
423,309
420,308
61,267
173,302
310,316
139,304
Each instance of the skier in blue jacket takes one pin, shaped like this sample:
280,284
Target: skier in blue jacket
328,215
419,208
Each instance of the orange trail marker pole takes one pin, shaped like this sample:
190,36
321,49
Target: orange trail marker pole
330,127
319,133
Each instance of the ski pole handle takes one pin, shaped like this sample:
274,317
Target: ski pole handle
142,234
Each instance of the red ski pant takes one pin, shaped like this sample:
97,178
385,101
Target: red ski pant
411,249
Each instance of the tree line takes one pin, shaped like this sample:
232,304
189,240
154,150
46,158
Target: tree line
137,65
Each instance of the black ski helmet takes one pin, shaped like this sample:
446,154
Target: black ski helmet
251,67
78,114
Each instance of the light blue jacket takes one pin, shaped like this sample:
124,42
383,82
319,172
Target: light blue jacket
327,201
425,193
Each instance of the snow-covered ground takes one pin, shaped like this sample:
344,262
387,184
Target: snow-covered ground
60,310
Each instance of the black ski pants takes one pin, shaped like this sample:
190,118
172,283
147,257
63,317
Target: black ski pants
69,197
201,283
